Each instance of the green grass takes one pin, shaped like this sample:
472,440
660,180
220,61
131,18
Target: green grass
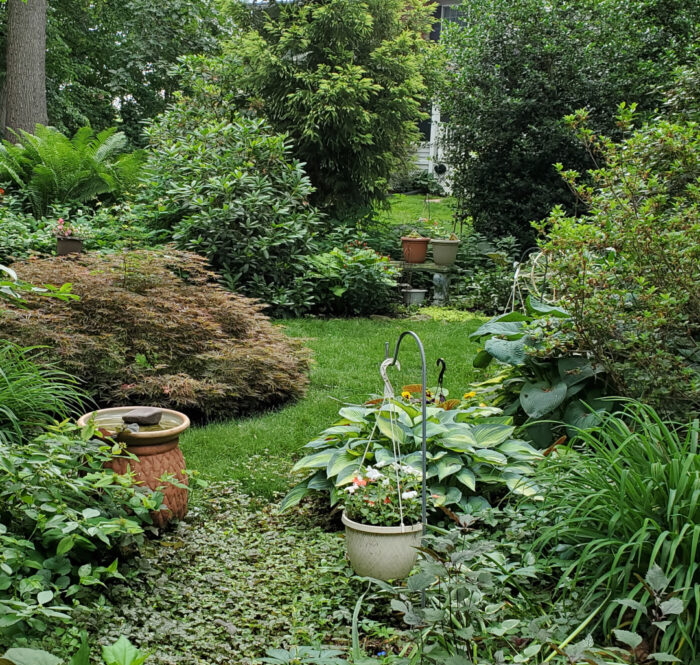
347,354
408,208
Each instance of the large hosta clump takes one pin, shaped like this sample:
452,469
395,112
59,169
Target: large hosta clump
472,456
156,328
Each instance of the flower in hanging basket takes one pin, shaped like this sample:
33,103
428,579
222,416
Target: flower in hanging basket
384,494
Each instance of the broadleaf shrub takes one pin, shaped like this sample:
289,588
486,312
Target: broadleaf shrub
155,327
629,270
354,280
229,190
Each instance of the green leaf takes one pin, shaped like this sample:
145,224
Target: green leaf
44,597
490,457
672,606
355,414
31,657
65,544
466,477
482,359
534,306
490,435
507,351
539,399
122,652
664,658
656,578
82,655
447,466
392,430
294,496
89,513
632,640
316,460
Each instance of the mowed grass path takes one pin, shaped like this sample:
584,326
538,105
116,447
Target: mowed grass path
258,451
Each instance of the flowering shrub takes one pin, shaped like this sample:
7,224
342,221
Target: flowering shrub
384,498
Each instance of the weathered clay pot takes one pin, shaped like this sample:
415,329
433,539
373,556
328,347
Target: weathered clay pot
158,453
444,251
382,552
68,246
414,249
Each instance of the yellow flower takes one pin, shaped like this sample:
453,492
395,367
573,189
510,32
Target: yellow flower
406,395
470,394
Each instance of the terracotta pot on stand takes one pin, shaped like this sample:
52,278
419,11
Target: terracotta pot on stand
158,453
414,249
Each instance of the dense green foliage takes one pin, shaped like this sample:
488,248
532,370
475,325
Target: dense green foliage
232,192
112,62
629,270
156,328
519,66
47,167
624,498
33,394
61,513
346,80
354,280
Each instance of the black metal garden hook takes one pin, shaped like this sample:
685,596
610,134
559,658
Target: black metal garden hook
443,367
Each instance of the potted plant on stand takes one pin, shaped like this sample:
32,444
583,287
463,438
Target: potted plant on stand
382,518
68,240
445,249
415,247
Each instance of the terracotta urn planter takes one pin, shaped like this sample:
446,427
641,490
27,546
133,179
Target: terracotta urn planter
444,251
158,451
382,552
68,246
414,249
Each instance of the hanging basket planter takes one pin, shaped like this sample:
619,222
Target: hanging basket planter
382,552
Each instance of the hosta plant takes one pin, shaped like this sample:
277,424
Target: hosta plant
545,375
471,452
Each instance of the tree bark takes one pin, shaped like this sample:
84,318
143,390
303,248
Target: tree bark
25,85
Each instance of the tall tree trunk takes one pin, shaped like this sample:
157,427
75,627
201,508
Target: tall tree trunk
25,85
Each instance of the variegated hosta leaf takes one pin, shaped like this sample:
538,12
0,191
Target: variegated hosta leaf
397,413
355,414
448,465
432,430
314,461
394,430
520,450
346,475
521,485
444,496
490,457
467,478
342,430
489,435
340,460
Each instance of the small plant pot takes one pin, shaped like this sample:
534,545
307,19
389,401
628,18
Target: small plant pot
414,249
382,552
413,296
69,246
445,251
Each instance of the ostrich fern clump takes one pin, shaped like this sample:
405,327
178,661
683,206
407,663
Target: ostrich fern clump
49,168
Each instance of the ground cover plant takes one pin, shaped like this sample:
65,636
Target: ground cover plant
63,518
226,590
155,328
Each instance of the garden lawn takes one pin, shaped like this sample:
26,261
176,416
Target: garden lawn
347,355
409,208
